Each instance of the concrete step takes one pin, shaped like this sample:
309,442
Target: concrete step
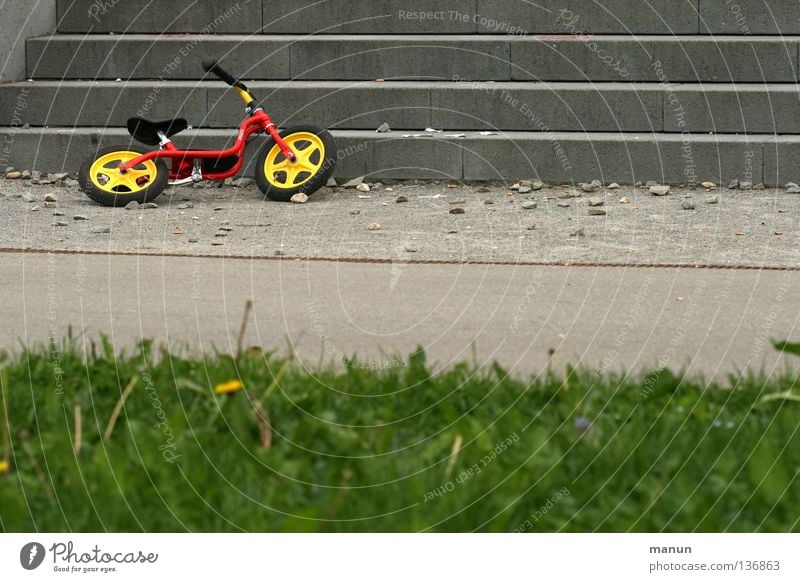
553,156
434,16
385,16
413,106
746,59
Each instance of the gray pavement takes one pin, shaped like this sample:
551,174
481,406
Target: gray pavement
744,227
713,322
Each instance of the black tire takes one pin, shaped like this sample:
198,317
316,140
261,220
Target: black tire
155,185
311,184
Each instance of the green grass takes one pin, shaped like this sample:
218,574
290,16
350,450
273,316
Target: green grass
397,449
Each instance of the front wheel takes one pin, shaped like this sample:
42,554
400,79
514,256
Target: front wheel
100,180
280,178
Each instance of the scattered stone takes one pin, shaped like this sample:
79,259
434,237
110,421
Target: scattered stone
401,199
101,230
516,186
563,205
376,186
50,204
299,198
586,187
597,184
531,226
596,201
410,249
226,228
537,184
13,175
148,205
280,253
759,186
221,233
383,128
60,177
36,177
185,206
659,190
733,184
26,175
529,205
596,211
60,223
457,211
709,185
712,200
217,243
132,205
624,200
525,189
69,182
791,185
793,190
50,198
688,205
374,226
570,194
331,183
353,183
651,183
579,232
34,209
745,185
355,212
218,208
613,186
193,240
363,187
28,197
488,201
243,182
454,202
58,213
80,217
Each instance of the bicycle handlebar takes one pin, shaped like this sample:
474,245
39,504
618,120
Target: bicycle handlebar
212,66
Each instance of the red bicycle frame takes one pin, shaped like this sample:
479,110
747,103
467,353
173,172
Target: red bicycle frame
184,160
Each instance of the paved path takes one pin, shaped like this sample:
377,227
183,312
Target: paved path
713,321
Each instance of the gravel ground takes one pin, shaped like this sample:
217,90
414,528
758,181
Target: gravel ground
755,227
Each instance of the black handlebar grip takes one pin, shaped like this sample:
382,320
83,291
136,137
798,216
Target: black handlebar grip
212,66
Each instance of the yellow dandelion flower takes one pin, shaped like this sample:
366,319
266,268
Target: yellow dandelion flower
4,467
229,387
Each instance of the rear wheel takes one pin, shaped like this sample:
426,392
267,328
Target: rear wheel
280,178
101,181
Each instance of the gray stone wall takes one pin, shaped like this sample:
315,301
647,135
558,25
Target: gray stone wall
19,20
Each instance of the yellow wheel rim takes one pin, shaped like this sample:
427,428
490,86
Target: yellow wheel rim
310,155
106,177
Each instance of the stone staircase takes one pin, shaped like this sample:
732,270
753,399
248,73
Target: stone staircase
677,91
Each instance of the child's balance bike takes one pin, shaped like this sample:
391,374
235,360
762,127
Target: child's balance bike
298,159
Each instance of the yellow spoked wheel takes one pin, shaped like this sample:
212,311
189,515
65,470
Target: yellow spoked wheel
105,175
101,180
284,173
280,178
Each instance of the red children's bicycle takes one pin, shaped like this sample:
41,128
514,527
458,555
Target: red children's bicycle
298,159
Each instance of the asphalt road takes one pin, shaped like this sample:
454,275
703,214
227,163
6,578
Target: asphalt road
528,318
